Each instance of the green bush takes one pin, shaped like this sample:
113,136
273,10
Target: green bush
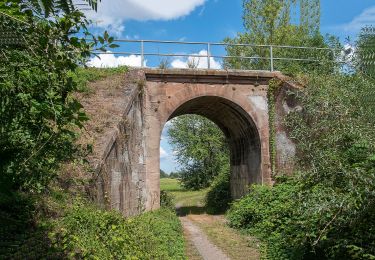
268,212
23,229
52,226
166,200
219,196
327,210
87,232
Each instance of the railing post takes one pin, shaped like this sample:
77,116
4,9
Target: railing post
142,54
271,57
208,55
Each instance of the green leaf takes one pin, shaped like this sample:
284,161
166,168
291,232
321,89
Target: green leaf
101,39
106,35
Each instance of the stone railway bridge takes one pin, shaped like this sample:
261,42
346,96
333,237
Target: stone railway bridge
128,172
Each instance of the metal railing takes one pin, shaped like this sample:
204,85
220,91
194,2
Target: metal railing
208,47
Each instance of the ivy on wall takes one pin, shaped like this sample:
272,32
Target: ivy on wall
273,87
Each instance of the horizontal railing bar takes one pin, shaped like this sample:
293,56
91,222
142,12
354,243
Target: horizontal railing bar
295,59
274,46
226,44
203,56
240,57
155,54
182,55
154,41
264,58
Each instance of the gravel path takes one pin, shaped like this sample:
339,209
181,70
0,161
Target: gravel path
207,250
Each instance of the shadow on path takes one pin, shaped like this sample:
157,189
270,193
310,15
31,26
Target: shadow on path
186,210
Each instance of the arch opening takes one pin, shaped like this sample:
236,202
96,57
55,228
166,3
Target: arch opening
242,137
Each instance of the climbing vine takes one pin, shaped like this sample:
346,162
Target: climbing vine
273,87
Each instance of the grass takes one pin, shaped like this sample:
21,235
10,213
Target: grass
84,75
171,185
187,201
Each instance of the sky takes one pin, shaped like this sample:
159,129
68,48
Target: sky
202,21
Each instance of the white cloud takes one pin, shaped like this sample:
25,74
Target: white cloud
163,153
199,62
178,63
112,14
110,60
348,54
367,17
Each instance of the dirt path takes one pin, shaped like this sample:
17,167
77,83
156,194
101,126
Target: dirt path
206,249
235,245
208,236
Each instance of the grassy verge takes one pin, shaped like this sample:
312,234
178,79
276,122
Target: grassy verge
58,224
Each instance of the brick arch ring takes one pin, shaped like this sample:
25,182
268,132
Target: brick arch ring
241,115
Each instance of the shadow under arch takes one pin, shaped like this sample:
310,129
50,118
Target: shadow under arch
242,135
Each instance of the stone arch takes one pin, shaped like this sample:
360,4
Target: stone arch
241,133
240,112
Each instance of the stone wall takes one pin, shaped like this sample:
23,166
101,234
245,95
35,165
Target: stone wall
285,102
120,174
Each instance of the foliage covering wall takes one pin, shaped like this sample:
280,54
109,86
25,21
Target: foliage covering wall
326,210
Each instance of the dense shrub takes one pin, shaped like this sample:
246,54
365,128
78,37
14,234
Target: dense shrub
23,229
51,226
326,211
218,196
87,232
166,200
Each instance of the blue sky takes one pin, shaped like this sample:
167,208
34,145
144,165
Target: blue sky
202,20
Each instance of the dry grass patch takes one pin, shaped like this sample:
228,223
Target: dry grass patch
236,245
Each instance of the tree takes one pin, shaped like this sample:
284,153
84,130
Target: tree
163,174
46,8
175,175
365,51
201,150
269,22
39,114
310,15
